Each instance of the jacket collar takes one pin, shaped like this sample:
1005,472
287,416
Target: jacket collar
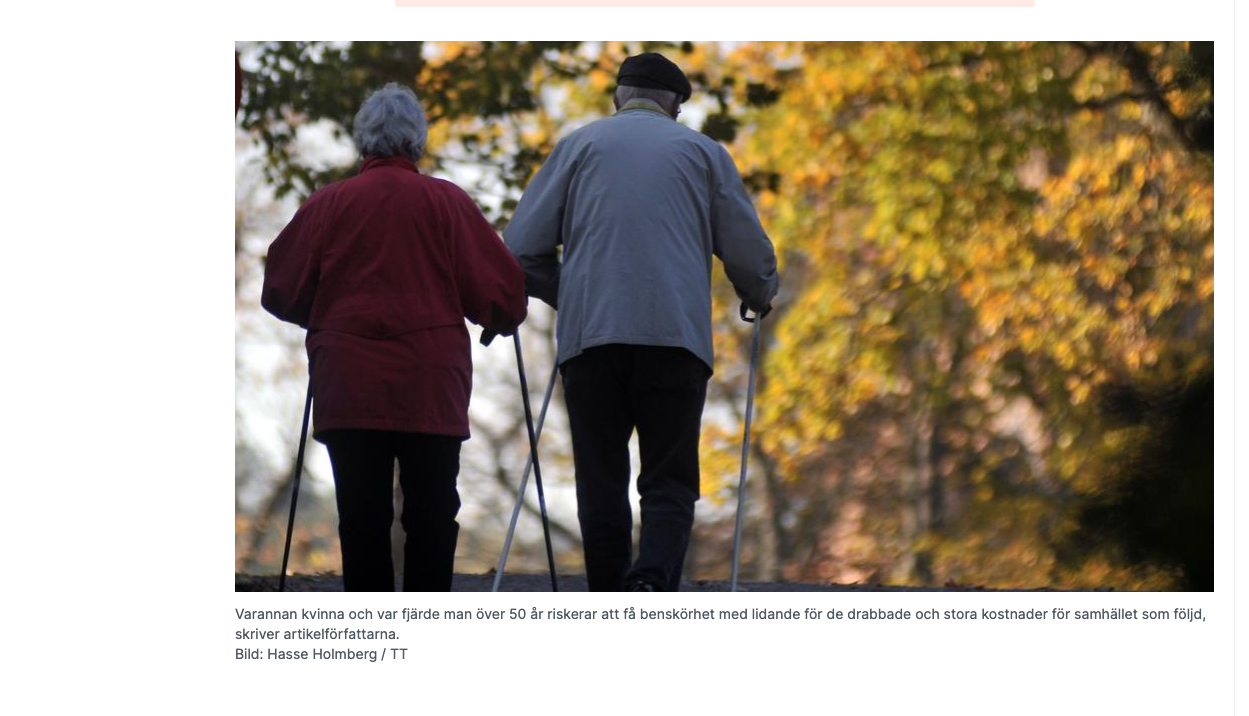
373,161
645,105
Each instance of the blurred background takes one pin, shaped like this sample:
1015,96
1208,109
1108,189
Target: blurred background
991,362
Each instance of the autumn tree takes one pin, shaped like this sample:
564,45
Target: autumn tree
974,237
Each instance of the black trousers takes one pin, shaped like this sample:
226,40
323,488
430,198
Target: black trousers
659,391
364,464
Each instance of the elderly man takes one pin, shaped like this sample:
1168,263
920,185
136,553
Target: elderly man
640,204
382,269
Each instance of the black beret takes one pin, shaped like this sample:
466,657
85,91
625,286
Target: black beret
654,71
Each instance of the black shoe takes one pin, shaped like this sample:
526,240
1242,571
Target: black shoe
639,585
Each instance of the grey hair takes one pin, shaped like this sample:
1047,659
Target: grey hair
664,98
391,122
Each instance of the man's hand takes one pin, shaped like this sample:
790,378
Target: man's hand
758,314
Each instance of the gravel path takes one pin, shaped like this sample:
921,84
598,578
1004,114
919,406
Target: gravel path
568,583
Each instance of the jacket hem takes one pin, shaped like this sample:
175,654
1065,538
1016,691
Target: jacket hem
457,430
635,340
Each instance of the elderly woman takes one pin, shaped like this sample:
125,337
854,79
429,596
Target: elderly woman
382,269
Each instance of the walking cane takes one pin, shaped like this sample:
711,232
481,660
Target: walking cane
524,481
750,406
486,338
299,471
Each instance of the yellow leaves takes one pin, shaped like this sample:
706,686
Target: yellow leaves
1106,274
1073,226
982,254
1101,181
855,79
1205,287
1079,389
917,271
717,462
1132,357
940,170
829,82
862,388
535,136
1131,111
1064,354
599,79
1028,337
437,135
1125,147
1043,223
878,315
968,291
700,56
919,220
993,311
446,51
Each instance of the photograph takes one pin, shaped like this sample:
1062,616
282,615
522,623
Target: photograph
720,316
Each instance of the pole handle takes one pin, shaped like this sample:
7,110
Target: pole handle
758,314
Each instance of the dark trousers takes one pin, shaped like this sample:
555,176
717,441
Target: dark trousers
659,391
364,464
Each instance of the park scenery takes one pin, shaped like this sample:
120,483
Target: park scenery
990,363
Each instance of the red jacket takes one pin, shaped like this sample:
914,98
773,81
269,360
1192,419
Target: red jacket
382,269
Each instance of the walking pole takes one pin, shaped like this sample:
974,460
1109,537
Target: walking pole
299,470
524,481
750,406
486,338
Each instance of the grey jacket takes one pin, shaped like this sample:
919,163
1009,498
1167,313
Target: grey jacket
640,204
